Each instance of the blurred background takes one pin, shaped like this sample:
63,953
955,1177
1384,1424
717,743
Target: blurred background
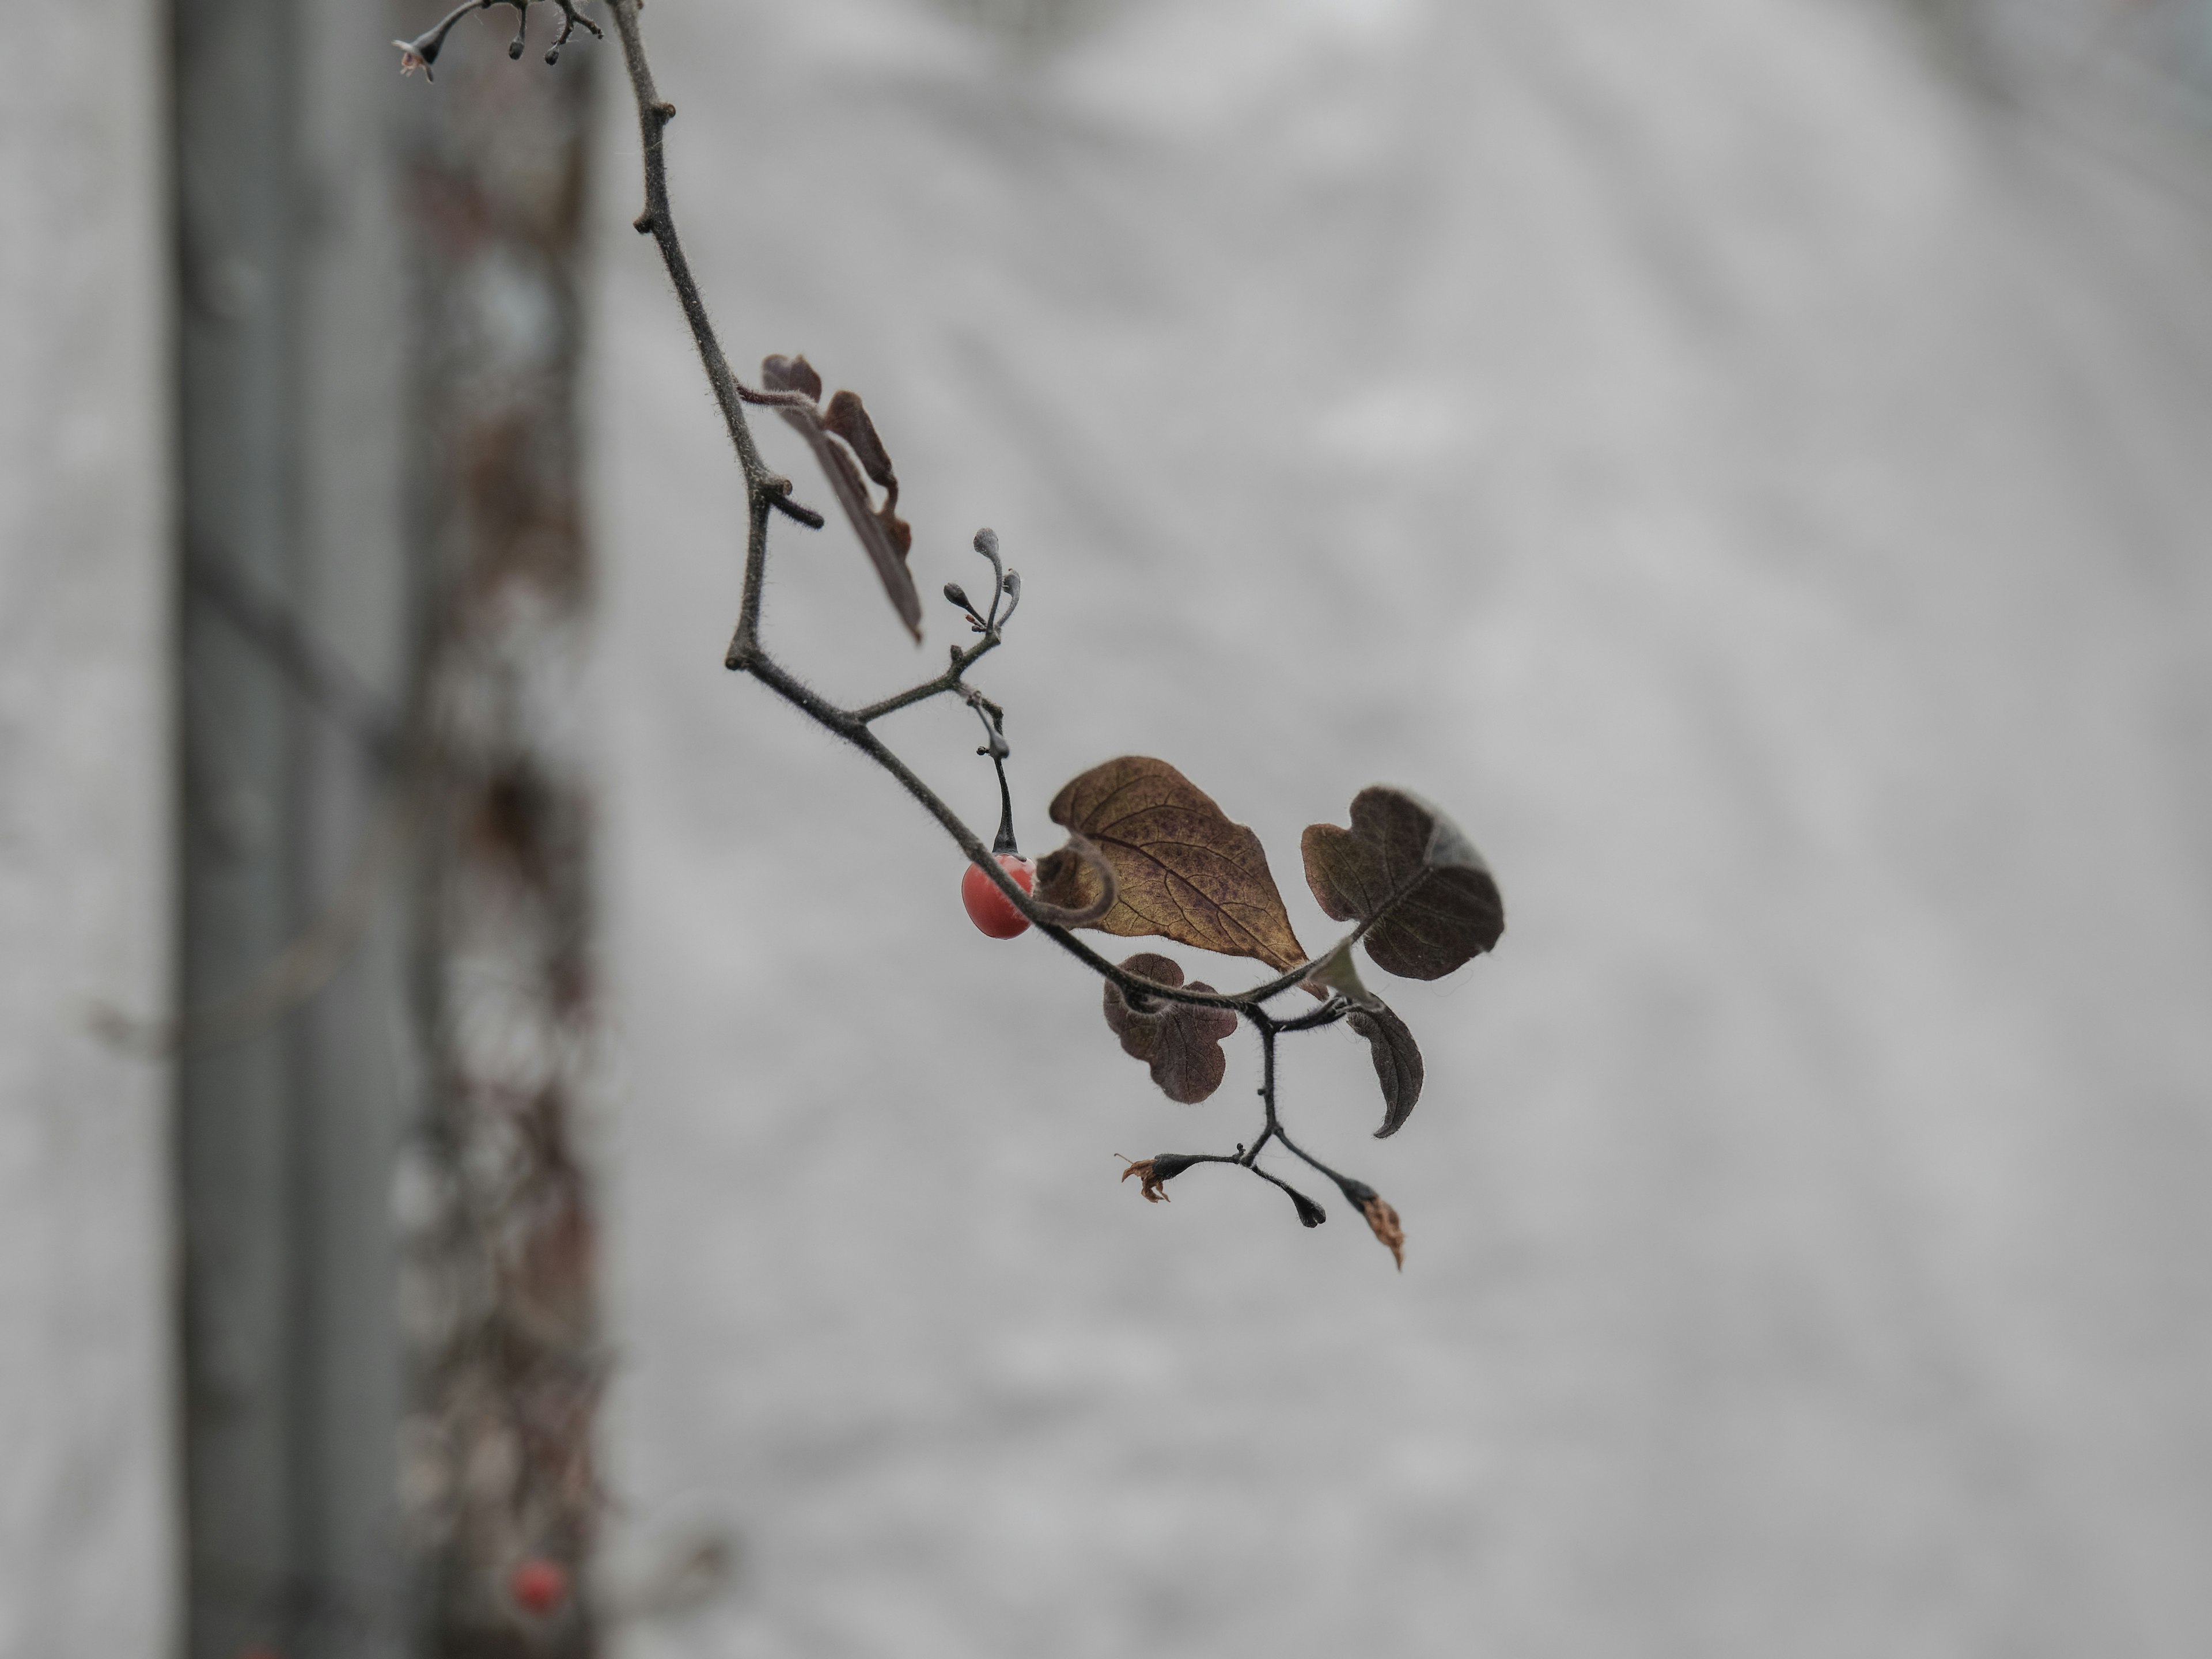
508,1145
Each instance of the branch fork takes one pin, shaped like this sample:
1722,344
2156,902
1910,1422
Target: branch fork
1402,874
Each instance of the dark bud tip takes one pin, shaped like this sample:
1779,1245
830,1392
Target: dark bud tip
986,541
959,595
1309,1214
643,223
514,47
552,56
664,113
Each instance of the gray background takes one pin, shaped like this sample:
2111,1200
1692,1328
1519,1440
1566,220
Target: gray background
1747,462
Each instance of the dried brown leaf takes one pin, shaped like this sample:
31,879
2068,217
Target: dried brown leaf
1185,871
1397,1059
847,417
1407,871
1180,1040
791,374
884,537
1075,885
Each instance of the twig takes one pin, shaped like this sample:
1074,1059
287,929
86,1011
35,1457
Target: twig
767,492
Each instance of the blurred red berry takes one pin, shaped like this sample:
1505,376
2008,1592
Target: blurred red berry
991,909
538,1586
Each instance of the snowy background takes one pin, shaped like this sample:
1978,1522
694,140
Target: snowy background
1749,466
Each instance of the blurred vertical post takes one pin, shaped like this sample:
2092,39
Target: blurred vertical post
295,1070
497,1284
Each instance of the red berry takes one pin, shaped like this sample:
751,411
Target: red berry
537,1585
991,909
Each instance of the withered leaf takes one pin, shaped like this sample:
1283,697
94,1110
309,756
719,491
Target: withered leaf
1075,885
1408,872
1397,1059
1180,1041
848,418
1185,872
791,374
884,535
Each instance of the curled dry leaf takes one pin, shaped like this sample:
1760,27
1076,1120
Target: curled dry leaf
1407,872
1180,1041
1075,885
1185,872
1397,1059
836,437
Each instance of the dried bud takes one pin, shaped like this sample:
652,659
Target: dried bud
413,58
1160,1167
1384,1221
1149,1181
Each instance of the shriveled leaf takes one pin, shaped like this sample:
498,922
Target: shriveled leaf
1406,870
1185,872
1075,885
884,537
791,374
1180,1040
1397,1059
847,417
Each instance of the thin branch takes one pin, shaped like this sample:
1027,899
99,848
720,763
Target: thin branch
766,493
653,115
948,681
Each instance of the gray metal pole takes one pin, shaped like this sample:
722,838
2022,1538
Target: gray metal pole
293,1090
